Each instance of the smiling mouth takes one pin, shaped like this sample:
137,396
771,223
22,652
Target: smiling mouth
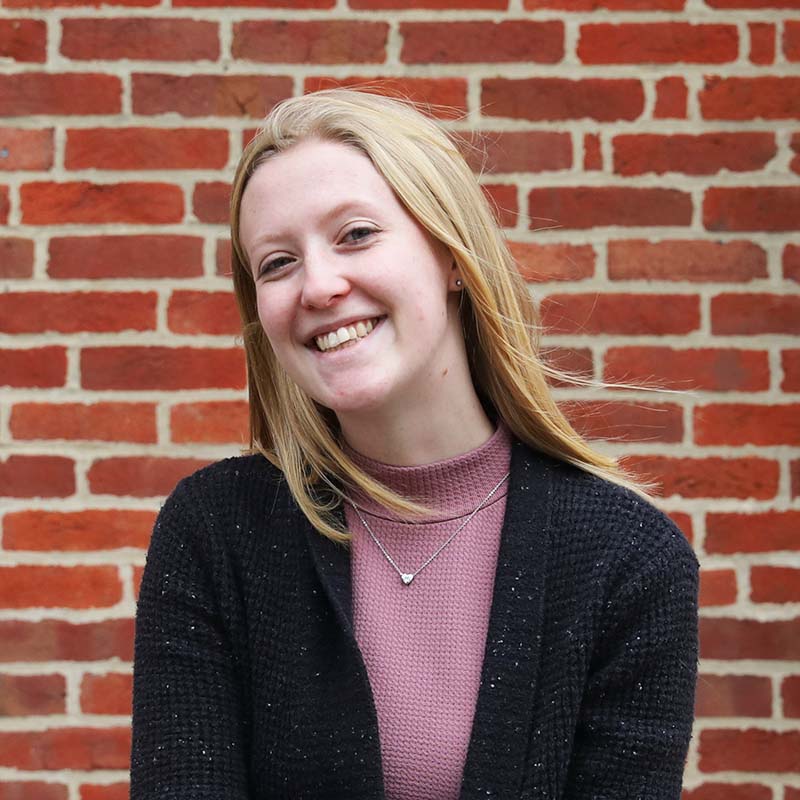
347,335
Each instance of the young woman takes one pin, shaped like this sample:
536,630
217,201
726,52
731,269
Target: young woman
422,582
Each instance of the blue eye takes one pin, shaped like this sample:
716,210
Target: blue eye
360,230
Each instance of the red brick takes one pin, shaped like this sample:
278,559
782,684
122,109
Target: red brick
208,95
696,260
627,314
739,424
762,532
790,695
139,476
604,100
214,422
162,368
766,97
108,422
146,256
684,522
25,148
42,367
146,148
139,38
794,477
76,3
23,40
106,694
71,312
37,476
503,199
65,93
711,369
794,165
211,202
553,262
78,531
751,750
448,95
728,791
293,4
137,580
66,748
733,696
32,790
203,312
24,695
310,41
762,42
572,361
58,640
4,204
593,206
222,257
592,154
16,257
717,587
791,261
753,3
752,208
733,314
434,5
791,39
107,791
710,477
50,203
671,98
59,587
704,154
612,5
482,41
520,151
790,362
626,421
728,638
657,43
774,584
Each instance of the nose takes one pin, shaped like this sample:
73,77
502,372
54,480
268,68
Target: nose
323,282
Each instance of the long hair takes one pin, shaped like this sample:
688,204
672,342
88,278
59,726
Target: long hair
422,163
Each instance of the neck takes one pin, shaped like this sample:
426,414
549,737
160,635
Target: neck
420,435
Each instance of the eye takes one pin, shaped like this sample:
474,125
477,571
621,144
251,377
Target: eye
272,266
367,231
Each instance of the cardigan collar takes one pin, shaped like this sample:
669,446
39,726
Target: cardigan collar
503,722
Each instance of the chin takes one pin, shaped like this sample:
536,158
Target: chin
350,400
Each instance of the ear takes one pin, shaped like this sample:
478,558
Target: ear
455,282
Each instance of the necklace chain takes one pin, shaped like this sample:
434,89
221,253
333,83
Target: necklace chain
407,577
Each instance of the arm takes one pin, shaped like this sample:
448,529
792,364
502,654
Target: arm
636,716
188,724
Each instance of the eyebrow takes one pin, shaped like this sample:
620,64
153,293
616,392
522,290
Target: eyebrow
339,208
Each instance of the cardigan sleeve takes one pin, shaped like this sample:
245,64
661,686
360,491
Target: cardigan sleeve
636,716
188,725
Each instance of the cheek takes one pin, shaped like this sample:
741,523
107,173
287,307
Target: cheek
274,313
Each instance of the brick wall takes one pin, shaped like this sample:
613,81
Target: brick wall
644,158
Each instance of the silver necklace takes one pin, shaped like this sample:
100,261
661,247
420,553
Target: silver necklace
407,577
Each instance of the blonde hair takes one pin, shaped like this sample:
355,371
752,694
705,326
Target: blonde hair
422,163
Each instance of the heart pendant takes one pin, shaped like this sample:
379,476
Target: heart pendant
406,578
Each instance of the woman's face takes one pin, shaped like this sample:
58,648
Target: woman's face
358,301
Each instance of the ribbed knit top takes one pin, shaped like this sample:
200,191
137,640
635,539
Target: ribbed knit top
423,644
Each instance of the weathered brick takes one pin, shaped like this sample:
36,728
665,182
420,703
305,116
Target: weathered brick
23,695
717,587
695,260
553,262
310,41
769,584
35,586
211,202
63,93
733,696
110,422
733,639
790,362
728,791
59,640
593,206
790,695
671,98
32,790
611,5
521,151
657,43
88,529
794,143
752,208
203,312
622,421
213,422
628,314
502,198
709,369
116,256
42,367
744,98
146,148
25,148
106,694
762,42
139,476
208,95
592,152
50,203
791,39
140,38
16,257
601,99
66,748
750,750
734,314
738,424
456,42
37,476
760,532
23,40
108,791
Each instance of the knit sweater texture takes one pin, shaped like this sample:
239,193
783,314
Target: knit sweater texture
423,643
250,684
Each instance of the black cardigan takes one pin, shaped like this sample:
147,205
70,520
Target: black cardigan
248,681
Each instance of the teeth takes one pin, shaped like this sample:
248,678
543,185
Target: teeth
327,341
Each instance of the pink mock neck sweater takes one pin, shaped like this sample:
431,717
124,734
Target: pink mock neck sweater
423,644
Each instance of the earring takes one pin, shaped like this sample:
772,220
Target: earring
459,282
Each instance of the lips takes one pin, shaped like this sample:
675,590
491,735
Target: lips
343,334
